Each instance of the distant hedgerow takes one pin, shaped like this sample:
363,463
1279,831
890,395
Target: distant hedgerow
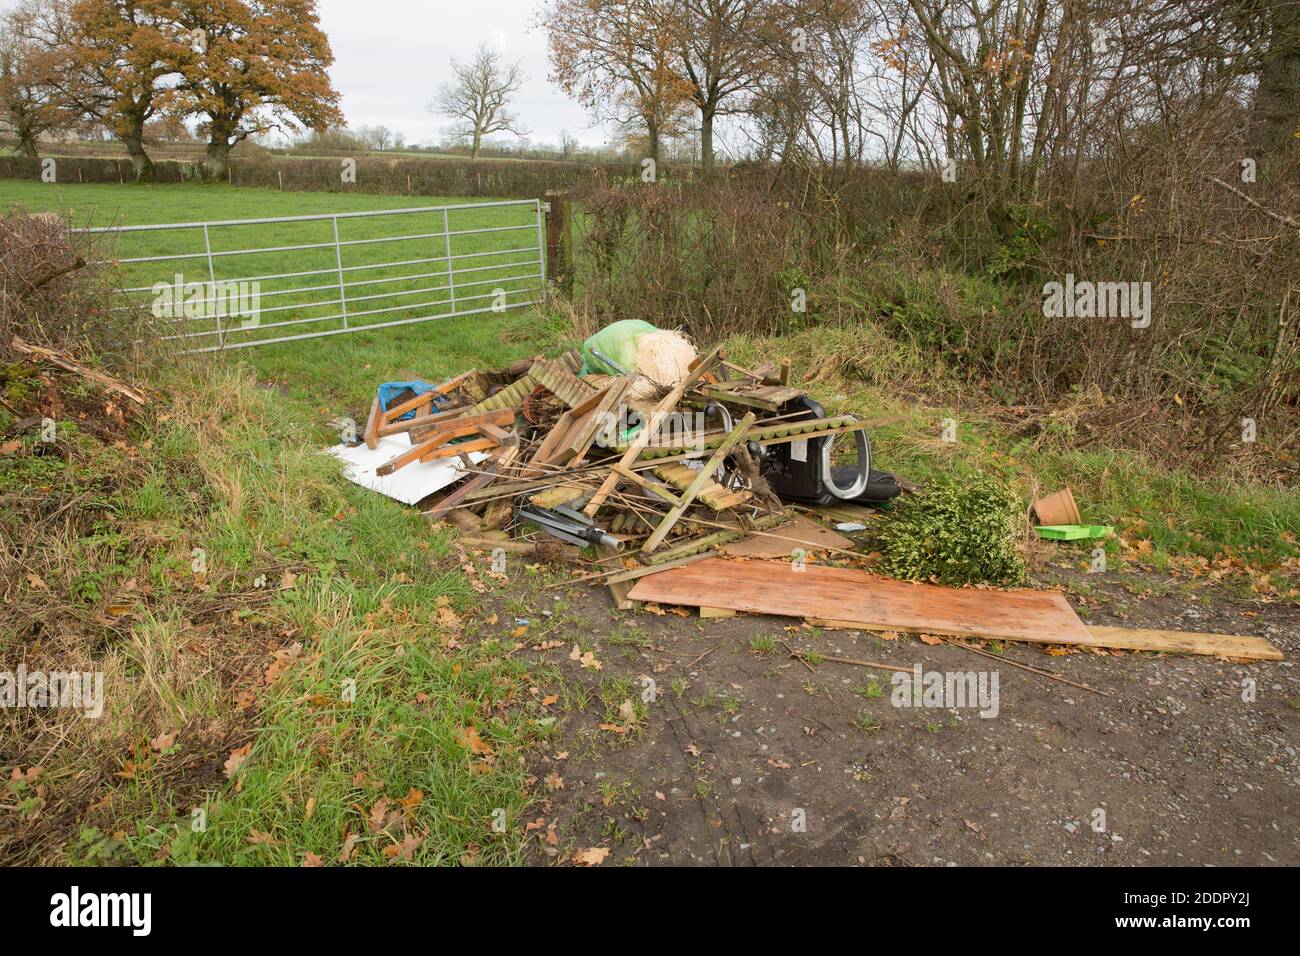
962,532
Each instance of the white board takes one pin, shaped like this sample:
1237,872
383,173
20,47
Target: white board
408,485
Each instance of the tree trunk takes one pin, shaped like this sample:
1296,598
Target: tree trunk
1277,99
652,139
478,143
706,141
27,144
217,167
145,171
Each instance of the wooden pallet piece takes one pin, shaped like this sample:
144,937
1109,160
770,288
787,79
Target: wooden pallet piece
703,478
713,494
768,398
586,431
669,402
431,447
562,383
556,447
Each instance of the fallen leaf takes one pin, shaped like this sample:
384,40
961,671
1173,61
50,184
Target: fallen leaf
471,741
405,851
236,760
311,860
378,815
593,857
163,742
349,848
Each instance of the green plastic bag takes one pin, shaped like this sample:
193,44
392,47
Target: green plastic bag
616,342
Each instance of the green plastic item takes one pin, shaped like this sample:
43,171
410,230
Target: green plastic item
616,342
1073,532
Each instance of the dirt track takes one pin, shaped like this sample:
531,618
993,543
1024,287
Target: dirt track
1186,771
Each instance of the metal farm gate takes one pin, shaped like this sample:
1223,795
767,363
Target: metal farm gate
240,283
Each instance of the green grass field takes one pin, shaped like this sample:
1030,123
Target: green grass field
392,265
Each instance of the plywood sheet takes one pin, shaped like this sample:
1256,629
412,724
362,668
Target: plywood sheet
1187,642
866,600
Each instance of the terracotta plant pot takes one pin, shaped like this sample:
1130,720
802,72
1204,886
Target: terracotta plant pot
1058,509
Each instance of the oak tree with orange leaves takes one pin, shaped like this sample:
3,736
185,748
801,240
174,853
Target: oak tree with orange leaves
108,61
253,67
29,102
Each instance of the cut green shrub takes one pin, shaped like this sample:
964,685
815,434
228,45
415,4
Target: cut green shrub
962,532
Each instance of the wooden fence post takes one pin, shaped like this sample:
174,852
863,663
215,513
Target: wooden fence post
559,259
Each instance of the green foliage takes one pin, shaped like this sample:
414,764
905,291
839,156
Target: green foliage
1030,230
961,532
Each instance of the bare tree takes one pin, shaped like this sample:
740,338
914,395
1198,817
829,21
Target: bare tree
720,46
479,96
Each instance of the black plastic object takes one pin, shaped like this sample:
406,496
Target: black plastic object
814,480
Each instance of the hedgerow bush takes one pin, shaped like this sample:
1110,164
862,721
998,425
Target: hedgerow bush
961,532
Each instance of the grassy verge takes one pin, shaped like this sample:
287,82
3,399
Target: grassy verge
290,655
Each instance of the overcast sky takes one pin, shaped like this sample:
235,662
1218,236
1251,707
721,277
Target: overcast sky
390,56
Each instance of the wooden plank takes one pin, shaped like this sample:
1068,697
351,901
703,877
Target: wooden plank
414,453
867,601
620,591
586,431
704,478
464,448
711,613
490,474
410,405
372,424
803,532
633,573
447,421
1186,642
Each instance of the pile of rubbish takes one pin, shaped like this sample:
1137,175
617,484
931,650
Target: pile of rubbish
698,483
635,444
